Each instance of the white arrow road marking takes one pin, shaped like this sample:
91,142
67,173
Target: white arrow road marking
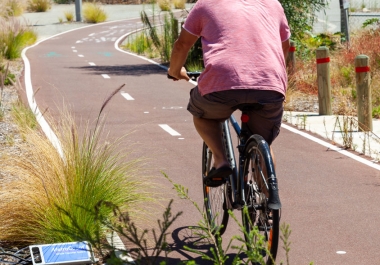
106,76
169,130
127,96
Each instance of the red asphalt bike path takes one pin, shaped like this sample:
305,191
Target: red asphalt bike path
329,200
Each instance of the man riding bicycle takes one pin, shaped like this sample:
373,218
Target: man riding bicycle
245,43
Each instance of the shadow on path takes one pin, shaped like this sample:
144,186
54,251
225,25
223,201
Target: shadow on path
122,70
186,236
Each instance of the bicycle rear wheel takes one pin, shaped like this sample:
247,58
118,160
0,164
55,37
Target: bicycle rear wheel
258,166
214,198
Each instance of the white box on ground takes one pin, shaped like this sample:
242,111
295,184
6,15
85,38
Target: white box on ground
71,253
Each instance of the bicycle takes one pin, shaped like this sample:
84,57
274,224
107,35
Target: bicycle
253,184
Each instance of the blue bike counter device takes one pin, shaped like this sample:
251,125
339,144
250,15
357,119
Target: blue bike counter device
62,253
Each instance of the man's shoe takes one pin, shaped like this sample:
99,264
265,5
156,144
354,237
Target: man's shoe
217,177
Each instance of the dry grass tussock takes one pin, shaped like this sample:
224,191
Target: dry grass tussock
94,13
48,197
164,5
179,4
39,5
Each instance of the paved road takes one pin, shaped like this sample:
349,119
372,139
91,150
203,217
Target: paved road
329,200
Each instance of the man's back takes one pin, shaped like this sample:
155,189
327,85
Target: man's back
241,42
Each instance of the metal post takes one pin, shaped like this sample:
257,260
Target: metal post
78,10
363,90
344,27
323,79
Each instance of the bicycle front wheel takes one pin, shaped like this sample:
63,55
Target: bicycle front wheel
214,198
265,221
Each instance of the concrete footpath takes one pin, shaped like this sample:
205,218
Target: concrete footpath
335,130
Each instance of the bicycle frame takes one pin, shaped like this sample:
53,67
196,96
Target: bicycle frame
237,178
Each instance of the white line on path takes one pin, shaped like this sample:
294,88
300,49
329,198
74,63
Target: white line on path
92,34
169,130
80,55
332,147
91,63
127,96
106,76
74,50
73,47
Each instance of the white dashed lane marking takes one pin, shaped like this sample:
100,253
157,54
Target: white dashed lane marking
169,130
106,76
127,96
91,63
75,51
80,55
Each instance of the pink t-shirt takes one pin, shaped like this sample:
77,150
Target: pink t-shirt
242,44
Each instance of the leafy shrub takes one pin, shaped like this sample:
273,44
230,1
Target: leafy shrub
39,5
93,13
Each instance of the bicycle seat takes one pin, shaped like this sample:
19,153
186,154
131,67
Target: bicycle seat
249,106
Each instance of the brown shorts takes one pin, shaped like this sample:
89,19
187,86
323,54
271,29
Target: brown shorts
220,105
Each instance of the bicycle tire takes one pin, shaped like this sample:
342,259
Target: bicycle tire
258,165
214,198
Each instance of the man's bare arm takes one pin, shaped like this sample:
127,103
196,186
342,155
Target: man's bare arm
178,57
285,48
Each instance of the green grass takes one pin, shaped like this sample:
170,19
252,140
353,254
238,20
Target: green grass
93,13
139,44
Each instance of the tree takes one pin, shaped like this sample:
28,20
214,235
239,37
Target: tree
301,15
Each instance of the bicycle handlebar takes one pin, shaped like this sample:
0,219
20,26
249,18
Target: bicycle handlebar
192,75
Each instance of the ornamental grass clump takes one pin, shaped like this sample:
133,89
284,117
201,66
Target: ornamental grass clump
94,13
39,5
11,8
164,5
69,15
53,192
179,4
14,36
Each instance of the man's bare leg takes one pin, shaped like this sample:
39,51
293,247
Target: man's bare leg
211,133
